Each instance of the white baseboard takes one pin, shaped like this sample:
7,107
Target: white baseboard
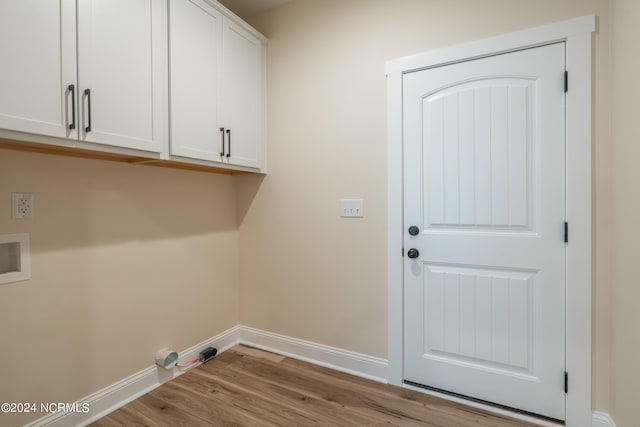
602,419
119,394
362,365
124,391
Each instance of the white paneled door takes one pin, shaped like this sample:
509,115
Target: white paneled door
484,214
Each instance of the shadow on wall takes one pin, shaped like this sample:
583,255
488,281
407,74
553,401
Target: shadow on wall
126,259
82,202
247,187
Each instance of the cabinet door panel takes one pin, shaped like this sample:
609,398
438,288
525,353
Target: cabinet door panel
195,39
39,56
120,45
242,94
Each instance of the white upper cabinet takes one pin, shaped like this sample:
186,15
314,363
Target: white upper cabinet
195,53
121,68
39,63
216,86
107,85
181,81
242,95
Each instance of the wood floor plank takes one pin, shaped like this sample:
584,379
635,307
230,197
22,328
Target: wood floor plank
163,414
372,398
319,410
250,387
126,417
400,398
254,406
117,420
189,400
348,401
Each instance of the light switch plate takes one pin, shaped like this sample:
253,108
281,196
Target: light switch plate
352,208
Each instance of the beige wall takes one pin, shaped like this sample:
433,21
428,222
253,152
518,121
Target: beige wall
125,260
120,249
625,373
309,274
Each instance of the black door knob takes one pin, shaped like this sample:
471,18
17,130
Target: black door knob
413,253
414,231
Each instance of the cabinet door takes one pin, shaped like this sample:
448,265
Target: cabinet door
243,95
195,31
38,52
121,61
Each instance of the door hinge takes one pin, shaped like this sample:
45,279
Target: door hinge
402,251
566,81
566,232
566,382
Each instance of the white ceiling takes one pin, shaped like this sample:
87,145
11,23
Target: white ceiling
246,8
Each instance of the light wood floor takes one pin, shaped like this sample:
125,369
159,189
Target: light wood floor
249,387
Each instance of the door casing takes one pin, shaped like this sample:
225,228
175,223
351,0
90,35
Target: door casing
576,33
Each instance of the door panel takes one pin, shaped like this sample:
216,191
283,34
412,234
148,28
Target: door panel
484,181
195,57
479,316
120,51
241,94
477,144
39,43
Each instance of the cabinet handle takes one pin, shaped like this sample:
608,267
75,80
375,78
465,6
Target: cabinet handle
222,137
72,89
87,92
229,139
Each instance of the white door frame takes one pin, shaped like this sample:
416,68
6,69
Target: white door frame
576,33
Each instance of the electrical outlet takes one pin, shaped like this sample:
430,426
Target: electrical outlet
22,205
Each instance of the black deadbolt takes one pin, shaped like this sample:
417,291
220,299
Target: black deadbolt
414,231
413,253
